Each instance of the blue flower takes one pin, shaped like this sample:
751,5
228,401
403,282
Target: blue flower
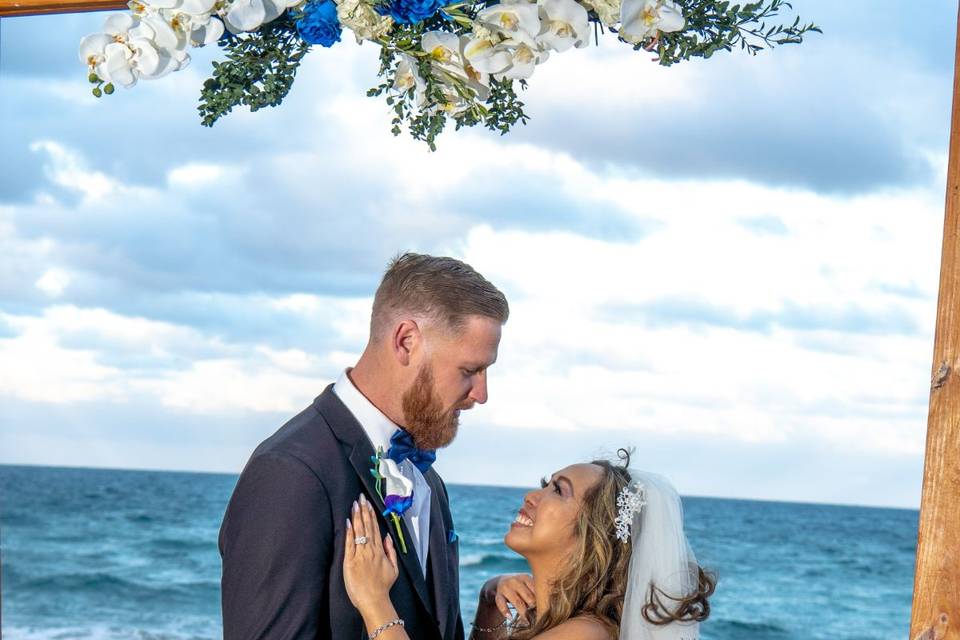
397,504
319,24
411,11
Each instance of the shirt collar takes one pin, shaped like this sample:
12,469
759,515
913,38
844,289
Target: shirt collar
379,428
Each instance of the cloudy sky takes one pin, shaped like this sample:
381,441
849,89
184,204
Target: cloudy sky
729,264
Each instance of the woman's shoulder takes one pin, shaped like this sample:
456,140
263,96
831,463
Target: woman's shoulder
580,628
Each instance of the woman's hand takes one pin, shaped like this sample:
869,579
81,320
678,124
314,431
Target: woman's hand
369,563
514,589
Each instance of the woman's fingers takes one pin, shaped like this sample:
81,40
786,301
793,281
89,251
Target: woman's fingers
501,603
349,544
517,591
518,602
525,591
391,551
359,530
373,528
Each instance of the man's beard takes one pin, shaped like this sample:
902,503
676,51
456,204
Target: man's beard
430,426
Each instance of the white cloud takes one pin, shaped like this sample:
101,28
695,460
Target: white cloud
194,174
695,328
33,366
53,282
67,169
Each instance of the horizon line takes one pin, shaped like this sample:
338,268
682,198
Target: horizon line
461,484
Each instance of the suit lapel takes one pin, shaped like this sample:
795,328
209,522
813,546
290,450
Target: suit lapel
439,558
352,435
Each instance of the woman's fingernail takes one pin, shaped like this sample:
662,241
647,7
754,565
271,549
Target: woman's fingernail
363,499
349,524
356,507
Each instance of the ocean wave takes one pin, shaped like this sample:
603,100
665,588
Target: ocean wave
96,633
80,581
182,544
742,629
492,561
105,585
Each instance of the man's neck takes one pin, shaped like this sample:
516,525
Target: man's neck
375,386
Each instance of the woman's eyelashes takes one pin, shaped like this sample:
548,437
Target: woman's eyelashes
544,482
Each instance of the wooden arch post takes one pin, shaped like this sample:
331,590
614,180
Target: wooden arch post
936,595
36,7
936,590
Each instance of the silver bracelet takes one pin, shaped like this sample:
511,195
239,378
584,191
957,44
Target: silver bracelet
384,627
490,629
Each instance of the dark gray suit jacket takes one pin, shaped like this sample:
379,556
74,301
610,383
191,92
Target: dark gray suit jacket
282,538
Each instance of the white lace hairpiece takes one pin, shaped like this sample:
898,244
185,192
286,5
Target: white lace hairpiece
629,502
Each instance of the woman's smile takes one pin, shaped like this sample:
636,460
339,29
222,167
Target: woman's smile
523,520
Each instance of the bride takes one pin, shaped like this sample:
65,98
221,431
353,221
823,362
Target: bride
607,553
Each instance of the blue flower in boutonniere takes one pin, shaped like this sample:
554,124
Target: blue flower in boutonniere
394,489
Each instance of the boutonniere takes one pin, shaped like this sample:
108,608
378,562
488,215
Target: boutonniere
394,490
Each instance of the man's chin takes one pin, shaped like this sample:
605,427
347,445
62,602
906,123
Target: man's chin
436,439
449,437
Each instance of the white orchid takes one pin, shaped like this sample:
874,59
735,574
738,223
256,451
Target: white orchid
451,66
124,52
484,51
642,20
191,21
523,60
408,77
565,24
607,10
444,50
196,7
360,17
512,18
514,58
201,29
248,15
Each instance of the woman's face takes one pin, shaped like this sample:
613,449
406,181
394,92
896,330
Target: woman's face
545,526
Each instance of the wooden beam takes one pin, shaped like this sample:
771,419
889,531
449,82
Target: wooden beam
936,591
10,8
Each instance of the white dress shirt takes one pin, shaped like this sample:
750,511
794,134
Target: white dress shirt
379,429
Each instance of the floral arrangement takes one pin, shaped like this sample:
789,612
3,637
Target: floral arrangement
441,61
394,490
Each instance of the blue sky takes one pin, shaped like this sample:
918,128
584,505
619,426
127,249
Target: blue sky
729,264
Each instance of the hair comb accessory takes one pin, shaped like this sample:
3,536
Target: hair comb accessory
630,501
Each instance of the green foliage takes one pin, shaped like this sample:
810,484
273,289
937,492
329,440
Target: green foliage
445,96
259,70
261,66
505,109
713,26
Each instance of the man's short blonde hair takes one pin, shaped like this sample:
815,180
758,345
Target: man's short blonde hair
441,289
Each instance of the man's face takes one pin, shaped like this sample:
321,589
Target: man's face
452,379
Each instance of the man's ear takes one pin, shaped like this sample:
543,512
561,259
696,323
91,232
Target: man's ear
406,339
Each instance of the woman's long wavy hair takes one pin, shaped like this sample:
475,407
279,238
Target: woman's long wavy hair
595,580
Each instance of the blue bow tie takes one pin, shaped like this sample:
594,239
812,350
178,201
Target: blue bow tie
402,448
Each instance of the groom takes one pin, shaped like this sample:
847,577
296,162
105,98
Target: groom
434,332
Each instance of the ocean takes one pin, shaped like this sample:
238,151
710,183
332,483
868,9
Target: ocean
91,554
